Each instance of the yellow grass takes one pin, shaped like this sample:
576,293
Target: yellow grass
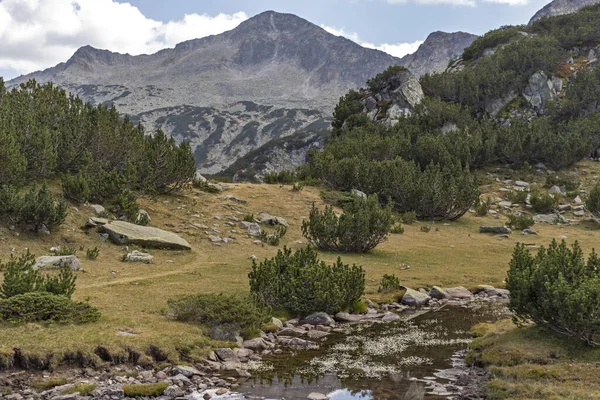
450,254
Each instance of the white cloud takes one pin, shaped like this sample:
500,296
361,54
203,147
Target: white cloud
468,3
396,50
36,34
509,2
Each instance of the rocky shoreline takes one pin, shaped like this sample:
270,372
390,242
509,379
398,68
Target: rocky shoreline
221,373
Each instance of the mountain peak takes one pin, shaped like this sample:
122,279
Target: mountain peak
561,7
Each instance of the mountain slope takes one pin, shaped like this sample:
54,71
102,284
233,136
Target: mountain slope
437,50
274,59
561,7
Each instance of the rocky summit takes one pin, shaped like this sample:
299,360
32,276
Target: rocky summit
561,7
229,94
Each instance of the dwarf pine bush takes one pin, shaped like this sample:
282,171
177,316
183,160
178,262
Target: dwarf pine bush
557,288
300,283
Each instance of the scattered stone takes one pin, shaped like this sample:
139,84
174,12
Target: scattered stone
257,344
555,190
253,228
186,371
317,396
143,216
173,391
94,222
122,232
459,292
505,204
347,317
272,220
138,256
528,231
215,239
98,210
226,354
277,322
317,334
414,298
521,184
57,262
551,219
498,230
319,318
578,200
235,199
390,316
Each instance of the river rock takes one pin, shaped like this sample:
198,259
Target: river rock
57,262
317,334
319,318
390,316
414,298
296,343
257,344
186,371
275,321
317,396
226,355
252,227
173,392
347,317
291,332
138,256
122,232
498,230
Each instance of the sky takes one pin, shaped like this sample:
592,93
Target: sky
38,34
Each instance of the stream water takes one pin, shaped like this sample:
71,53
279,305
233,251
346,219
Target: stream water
417,357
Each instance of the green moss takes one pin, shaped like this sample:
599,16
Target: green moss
46,384
83,389
360,307
150,389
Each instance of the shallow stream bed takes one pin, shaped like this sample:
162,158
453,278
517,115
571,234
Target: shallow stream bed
417,357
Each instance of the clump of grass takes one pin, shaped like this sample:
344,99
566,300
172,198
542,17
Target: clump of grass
425,228
83,389
389,283
483,207
397,229
64,251
46,384
520,222
273,238
359,307
149,389
298,187
409,218
92,254
249,218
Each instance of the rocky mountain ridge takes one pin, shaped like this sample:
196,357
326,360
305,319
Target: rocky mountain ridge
561,7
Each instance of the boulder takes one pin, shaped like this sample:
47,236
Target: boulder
94,222
297,343
319,318
215,187
272,220
539,91
390,316
57,262
226,355
347,317
498,230
459,292
316,334
257,344
358,193
98,210
276,321
186,371
122,232
415,299
252,227
317,396
551,219
437,292
138,256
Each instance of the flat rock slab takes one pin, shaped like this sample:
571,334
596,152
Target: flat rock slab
56,262
498,230
122,232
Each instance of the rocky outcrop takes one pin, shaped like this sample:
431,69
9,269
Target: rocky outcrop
437,51
122,232
561,7
57,262
541,89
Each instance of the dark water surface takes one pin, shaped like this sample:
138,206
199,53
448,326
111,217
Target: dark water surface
413,358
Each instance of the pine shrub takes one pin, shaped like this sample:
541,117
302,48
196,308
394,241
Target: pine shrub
544,203
219,309
39,209
363,225
558,289
76,188
520,222
389,283
300,283
592,204
46,307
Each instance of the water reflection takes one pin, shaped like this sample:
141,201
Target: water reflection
400,360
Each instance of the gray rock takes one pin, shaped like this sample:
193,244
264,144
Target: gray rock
253,228
99,210
317,334
186,371
272,220
138,256
390,317
173,391
317,396
459,292
414,298
561,7
225,332
143,216
358,193
498,230
297,343
95,222
226,355
555,190
182,380
257,344
346,317
122,232
57,262
551,219
529,231
277,322
539,91
319,318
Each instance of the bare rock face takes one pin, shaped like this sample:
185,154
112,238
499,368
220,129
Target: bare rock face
57,262
561,7
122,232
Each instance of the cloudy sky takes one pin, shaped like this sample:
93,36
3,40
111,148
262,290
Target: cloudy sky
37,34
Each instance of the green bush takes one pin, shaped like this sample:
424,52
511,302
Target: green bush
76,188
397,229
220,309
593,202
300,283
145,389
409,218
483,207
379,82
64,251
516,196
282,178
39,209
92,254
558,289
544,203
46,307
21,277
126,205
389,283
570,183
520,222
10,201
363,225
273,238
